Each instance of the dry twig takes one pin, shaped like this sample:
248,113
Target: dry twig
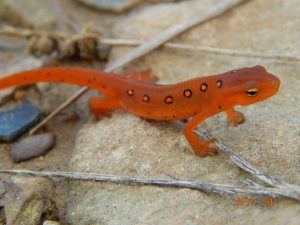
206,187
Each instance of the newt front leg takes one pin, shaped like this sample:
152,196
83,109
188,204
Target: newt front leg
234,118
99,105
202,148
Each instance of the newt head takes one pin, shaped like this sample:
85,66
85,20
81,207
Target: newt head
250,85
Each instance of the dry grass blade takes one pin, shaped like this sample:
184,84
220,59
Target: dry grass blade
275,56
207,49
206,187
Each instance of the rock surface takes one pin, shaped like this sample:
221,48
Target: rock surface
32,13
18,120
33,146
27,200
130,146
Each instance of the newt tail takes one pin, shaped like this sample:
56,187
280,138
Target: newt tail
93,79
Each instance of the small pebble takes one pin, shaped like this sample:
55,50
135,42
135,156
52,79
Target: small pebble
33,146
50,222
17,121
111,5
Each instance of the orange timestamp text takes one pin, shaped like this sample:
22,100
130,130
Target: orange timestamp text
255,201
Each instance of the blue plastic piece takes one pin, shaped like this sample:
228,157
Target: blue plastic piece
15,122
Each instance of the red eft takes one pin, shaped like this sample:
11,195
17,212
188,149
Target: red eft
138,94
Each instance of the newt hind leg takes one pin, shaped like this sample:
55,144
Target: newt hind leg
100,105
144,75
202,148
234,118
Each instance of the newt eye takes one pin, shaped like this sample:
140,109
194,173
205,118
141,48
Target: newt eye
252,92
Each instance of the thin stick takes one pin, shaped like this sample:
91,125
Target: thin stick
67,103
27,33
232,52
149,46
189,47
207,187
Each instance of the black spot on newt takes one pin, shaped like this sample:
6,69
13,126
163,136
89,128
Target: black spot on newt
169,99
187,93
146,98
203,87
130,92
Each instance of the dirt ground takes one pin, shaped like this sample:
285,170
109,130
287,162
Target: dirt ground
124,145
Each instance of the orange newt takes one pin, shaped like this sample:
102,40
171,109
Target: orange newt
197,99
